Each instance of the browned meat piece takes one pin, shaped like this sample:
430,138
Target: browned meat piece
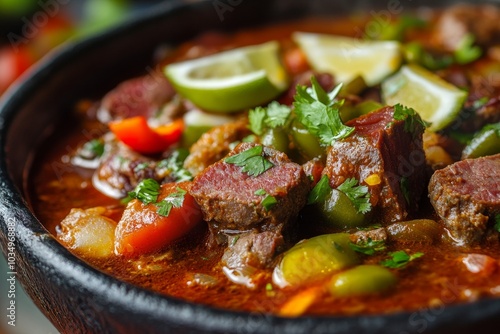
252,249
142,96
383,147
466,195
214,145
313,169
121,169
378,234
228,199
482,21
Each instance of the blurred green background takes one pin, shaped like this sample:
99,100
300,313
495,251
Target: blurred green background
31,28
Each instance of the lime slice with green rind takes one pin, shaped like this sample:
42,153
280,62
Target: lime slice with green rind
347,58
436,101
232,80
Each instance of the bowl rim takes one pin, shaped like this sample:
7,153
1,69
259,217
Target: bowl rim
34,240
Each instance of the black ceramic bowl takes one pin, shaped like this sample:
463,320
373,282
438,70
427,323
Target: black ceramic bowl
80,299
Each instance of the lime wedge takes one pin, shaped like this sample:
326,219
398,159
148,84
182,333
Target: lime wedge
346,58
231,80
436,100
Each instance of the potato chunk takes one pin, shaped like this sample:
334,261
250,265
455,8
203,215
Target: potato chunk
88,232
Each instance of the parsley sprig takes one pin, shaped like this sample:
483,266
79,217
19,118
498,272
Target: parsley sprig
273,116
318,111
268,202
358,195
148,190
320,190
174,166
400,259
174,200
410,117
251,161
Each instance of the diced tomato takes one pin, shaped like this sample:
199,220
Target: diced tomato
142,230
139,136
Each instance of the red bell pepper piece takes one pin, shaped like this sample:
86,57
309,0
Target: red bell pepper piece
136,133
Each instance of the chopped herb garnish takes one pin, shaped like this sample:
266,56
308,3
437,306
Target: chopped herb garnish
234,240
409,116
256,120
94,147
320,190
400,259
174,166
269,201
260,192
395,30
251,161
368,247
358,195
405,188
467,52
273,116
497,223
174,200
141,166
318,111
146,191
269,287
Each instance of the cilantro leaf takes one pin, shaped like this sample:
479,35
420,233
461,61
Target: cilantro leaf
174,200
467,52
410,117
318,111
277,114
358,195
320,190
93,148
368,247
273,116
269,201
260,192
174,166
146,191
251,161
256,120
400,259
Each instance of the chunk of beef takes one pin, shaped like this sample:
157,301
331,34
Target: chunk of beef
466,195
482,21
389,149
214,145
228,199
121,169
378,234
142,96
254,249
